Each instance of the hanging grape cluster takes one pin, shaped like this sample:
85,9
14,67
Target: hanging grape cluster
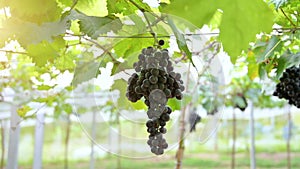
289,86
156,81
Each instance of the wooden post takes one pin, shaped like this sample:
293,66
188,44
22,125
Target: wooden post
233,140
39,140
14,134
92,160
67,139
288,142
3,127
252,137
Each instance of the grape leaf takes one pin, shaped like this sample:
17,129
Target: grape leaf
139,24
121,86
174,104
45,51
131,46
92,7
139,105
67,108
293,59
44,87
262,71
93,26
66,61
273,45
85,71
126,7
65,3
22,111
282,64
198,12
278,3
35,11
31,32
241,21
240,24
252,66
181,42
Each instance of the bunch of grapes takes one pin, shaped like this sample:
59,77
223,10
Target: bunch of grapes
289,86
156,81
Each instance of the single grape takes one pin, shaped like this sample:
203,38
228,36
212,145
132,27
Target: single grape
163,130
161,42
149,123
164,145
155,72
165,117
167,92
153,79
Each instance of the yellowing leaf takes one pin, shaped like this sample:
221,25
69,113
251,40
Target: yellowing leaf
252,66
36,11
22,111
28,33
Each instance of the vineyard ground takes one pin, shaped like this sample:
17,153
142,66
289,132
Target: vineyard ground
191,161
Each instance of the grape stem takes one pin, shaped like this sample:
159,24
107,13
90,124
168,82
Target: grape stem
147,20
151,30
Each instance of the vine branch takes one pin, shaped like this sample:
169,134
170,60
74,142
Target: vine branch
288,18
14,52
105,50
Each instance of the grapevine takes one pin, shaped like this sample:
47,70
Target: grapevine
156,82
289,86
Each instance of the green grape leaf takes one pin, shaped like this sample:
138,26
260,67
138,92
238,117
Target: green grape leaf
252,66
45,51
65,3
293,59
262,71
181,42
241,21
31,32
92,7
282,65
139,105
273,45
44,87
85,71
139,24
198,12
278,3
121,86
35,11
22,111
174,104
126,7
93,26
131,46
67,108
66,61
